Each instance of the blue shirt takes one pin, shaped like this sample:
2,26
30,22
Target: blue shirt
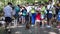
17,9
7,11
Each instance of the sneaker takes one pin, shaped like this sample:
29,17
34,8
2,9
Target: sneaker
42,27
9,31
58,26
59,29
32,25
48,26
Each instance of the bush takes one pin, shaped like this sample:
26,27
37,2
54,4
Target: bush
1,10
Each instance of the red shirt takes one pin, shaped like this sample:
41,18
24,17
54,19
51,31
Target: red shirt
38,16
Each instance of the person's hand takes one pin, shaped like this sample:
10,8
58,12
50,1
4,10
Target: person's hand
20,13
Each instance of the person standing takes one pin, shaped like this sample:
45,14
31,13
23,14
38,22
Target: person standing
49,13
8,15
17,10
24,13
33,16
28,8
42,13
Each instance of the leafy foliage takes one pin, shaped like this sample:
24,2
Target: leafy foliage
4,2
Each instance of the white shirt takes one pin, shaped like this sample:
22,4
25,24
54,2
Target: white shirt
28,9
49,7
7,11
38,8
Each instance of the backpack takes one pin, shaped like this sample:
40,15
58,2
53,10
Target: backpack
17,9
24,12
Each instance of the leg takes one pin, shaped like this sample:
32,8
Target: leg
22,19
36,23
42,23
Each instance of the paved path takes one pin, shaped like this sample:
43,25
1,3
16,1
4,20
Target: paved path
21,30
32,30
35,31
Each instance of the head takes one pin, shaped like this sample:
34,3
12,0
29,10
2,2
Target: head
13,7
18,5
27,4
42,5
37,12
39,5
23,7
57,2
9,3
50,2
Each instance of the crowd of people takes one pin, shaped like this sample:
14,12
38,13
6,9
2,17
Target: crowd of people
45,14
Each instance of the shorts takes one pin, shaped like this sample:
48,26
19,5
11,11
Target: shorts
27,17
49,15
23,17
37,21
8,19
42,16
16,15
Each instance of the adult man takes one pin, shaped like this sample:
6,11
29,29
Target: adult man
8,15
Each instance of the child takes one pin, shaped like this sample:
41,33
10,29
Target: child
38,19
42,13
20,17
33,15
24,13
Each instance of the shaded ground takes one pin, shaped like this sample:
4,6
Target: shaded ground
22,30
32,30
36,31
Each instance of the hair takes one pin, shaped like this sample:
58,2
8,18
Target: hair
9,3
42,4
13,7
27,3
24,8
18,5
